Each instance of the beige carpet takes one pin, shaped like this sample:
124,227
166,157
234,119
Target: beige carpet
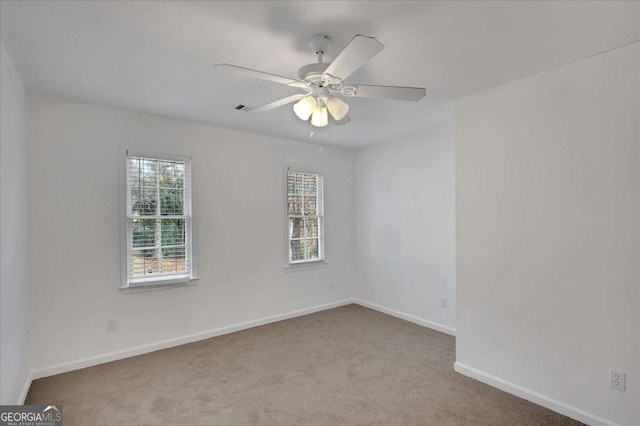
345,366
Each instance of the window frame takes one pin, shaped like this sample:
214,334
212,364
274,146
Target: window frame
311,263
126,285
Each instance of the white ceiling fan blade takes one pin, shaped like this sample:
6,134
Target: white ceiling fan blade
275,104
357,53
337,108
345,120
390,92
261,75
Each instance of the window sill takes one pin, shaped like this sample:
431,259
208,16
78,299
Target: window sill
157,286
298,267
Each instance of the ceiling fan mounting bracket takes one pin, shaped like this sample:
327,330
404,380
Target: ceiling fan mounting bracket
319,44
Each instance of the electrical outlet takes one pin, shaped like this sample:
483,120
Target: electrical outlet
444,303
112,326
331,286
618,380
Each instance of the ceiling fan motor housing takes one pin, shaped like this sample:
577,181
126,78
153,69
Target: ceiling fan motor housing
312,73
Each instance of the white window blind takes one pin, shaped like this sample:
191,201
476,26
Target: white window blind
158,219
305,216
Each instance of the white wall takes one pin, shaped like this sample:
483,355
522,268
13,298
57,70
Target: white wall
548,201
239,227
14,276
405,227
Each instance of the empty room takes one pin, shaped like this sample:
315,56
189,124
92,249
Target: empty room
320,212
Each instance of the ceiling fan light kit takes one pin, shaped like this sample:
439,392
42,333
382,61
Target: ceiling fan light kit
337,107
323,83
304,107
319,118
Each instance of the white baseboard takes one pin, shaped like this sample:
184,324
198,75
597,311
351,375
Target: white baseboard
139,350
466,370
25,390
407,317
529,395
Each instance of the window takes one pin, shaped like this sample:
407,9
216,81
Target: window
305,217
158,191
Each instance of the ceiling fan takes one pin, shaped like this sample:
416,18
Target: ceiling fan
322,83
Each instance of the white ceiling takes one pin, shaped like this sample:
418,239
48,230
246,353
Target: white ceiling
157,57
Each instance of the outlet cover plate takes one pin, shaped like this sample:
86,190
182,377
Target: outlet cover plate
618,380
112,326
